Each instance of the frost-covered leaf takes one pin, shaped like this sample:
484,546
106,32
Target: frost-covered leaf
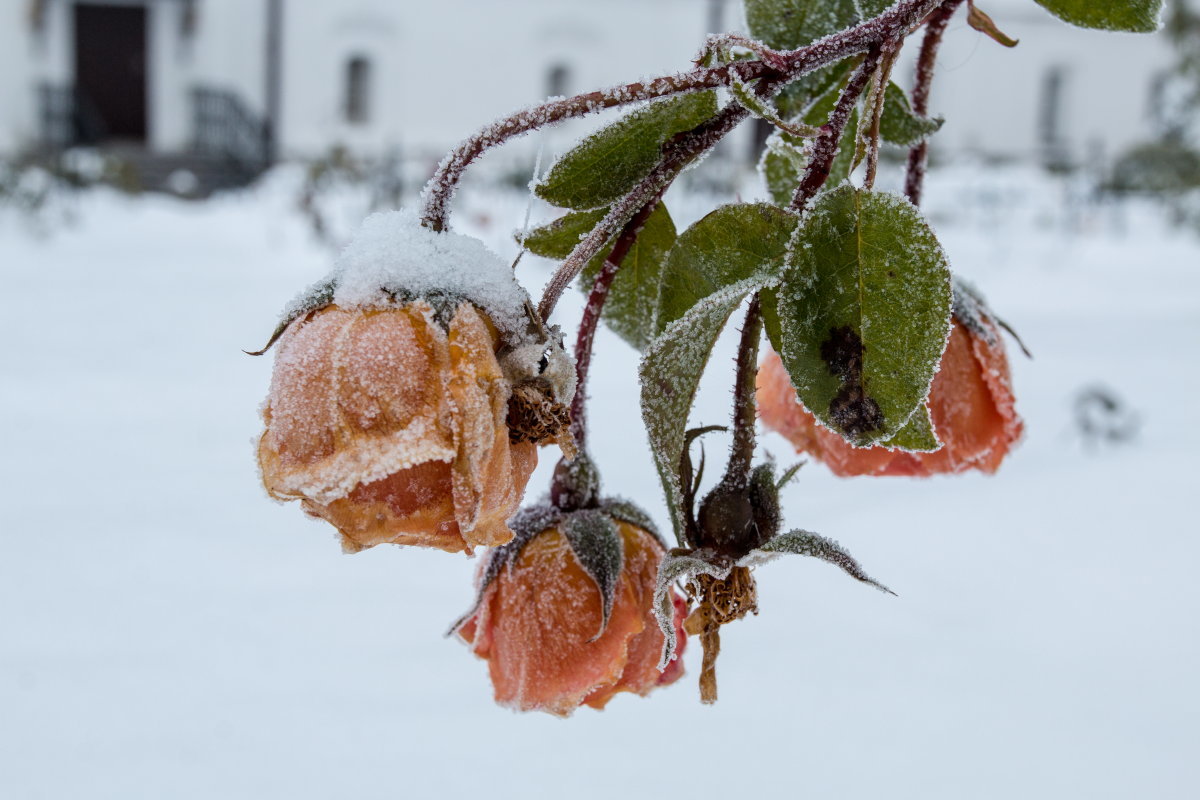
799,94
868,9
784,157
730,244
607,164
677,567
633,296
863,312
781,166
788,24
1138,16
670,372
900,124
917,435
804,543
596,543
627,511
981,22
557,239
317,296
766,110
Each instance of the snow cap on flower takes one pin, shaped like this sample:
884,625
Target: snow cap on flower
395,256
970,402
564,612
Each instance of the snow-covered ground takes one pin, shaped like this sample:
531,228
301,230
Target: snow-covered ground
168,632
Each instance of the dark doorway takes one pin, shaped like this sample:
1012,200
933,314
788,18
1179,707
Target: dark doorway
110,68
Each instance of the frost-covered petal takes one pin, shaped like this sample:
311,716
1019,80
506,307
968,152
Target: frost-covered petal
537,619
971,404
392,429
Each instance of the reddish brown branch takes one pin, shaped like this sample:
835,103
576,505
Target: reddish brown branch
895,22
591,317
918,155
825,146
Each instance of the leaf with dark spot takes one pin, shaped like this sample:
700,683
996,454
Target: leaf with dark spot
863,312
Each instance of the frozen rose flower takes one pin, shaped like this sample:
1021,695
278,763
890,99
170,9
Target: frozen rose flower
410,390
564,613
970,402
393,429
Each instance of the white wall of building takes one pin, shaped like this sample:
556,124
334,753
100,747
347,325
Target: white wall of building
441,70
991,96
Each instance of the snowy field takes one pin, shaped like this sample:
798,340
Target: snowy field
166,631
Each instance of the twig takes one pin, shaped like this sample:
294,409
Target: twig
825,147
896,21
918,155
591,317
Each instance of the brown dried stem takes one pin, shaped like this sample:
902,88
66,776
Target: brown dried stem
918,155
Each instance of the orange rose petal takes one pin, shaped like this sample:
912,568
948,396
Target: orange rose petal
536,620
970,401
393,430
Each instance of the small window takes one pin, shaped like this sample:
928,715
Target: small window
358,90
556,80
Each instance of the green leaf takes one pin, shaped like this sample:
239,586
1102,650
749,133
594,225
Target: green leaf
317,296
868,9
557,239
864,312
596,543
917,435
900,124
633,296
781,166
1137,16
799,94
788,24
606,165
670,372
731,244
805,543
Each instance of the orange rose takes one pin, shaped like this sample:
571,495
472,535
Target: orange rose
565,613
970,401
392,427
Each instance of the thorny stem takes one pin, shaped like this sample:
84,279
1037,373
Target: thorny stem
918,155
895,22
742,453
591,317
825,147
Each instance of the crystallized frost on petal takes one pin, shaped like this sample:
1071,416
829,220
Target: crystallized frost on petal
392,429
538,616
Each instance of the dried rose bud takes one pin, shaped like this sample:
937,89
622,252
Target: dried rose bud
970,401
564,613
393,392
